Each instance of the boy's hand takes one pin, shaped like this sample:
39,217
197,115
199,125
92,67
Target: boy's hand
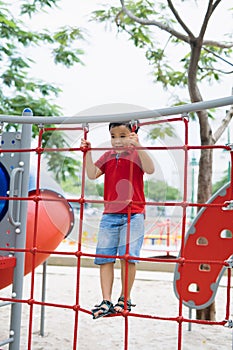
85,144
133,139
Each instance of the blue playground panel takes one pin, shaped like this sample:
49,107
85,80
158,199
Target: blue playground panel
4,187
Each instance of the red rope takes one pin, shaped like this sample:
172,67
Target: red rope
180,319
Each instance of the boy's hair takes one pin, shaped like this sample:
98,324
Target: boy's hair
128,125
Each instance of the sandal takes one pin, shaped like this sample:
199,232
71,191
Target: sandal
121,302
106,308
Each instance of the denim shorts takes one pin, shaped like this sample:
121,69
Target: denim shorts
112,236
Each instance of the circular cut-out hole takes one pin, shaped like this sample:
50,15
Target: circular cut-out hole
204,267
226,233
193,287
202,241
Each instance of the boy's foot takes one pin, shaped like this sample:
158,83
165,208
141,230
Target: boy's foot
105,308
119,307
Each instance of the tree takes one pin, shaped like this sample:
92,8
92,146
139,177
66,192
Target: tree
160,191
144,21
19,89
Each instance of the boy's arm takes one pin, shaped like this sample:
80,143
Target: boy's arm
146,160
93,172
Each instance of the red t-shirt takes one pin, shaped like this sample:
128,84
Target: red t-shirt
123,182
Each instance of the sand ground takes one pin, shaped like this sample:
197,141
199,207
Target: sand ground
153,294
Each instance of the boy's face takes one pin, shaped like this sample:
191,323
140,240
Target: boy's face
120,137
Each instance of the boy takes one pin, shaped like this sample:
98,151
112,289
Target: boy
123,168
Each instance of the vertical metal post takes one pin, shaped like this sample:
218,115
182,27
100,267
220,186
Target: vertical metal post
193,163
190,317
229,163
20,231
42,314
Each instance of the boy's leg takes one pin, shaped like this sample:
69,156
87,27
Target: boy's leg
135,244
126,285
126,288
108,238
106,282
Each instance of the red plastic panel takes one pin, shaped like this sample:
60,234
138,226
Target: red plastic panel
209,243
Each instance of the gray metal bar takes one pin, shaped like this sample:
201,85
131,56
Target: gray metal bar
5,303
17,292
42,314
7,341
163,112
12,194
190,317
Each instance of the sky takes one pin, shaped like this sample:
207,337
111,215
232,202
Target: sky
115,72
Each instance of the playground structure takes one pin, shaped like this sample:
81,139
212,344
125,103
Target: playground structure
52,227
163,237
14,252
208,240
26,226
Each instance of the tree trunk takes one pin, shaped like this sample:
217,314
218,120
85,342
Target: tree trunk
205,189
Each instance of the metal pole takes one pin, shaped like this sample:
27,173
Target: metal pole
193,163
190,317
229,163
20,231
120,117
192,198
42,314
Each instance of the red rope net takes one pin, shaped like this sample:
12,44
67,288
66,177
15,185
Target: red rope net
182,261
